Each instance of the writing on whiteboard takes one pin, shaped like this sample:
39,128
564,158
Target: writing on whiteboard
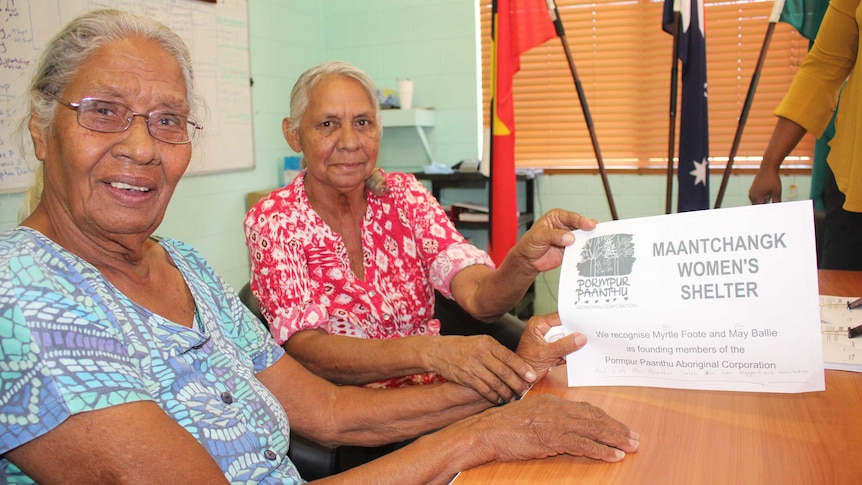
216,33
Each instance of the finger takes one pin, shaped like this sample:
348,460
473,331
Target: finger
489,393
514,375
573,220
550,329
565,236
582,446
560,348
464,374
505,364
491,386
568,344
537,331
496,372
540,238
586,223
601,428
563,219
552,319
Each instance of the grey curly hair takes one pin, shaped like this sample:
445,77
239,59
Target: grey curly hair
71,47
300,97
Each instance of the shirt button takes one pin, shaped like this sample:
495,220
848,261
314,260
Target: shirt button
270,455
387,317
227,398
372,293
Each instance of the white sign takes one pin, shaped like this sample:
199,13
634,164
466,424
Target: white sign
721,299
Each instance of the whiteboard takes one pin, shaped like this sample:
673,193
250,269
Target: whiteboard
216,33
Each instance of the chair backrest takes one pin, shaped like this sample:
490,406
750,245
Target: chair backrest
454,320
250,301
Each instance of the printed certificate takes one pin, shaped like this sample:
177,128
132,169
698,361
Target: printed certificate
722,299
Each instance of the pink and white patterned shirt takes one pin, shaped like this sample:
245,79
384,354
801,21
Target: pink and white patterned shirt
301,272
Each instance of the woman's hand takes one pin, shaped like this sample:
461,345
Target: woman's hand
532,428
498,374
766,186
486,294
541,248
542,355
545,425
480,363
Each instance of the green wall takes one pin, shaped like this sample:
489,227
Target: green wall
431,41
434,42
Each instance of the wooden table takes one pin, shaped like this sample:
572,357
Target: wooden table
715,437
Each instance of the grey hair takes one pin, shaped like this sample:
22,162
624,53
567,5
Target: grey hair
71,47
300,97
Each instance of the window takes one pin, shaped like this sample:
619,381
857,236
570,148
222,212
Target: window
623,59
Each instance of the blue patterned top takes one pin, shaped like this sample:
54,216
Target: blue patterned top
71,342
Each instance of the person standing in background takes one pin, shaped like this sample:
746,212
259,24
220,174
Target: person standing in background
809,106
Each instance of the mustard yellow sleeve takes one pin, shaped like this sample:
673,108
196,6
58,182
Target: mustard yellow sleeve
813,94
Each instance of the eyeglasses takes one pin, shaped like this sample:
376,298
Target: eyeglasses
109,117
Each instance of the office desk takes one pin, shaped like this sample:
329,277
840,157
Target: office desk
715,437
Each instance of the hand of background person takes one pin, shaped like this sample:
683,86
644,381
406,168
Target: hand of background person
542,355
480,363
542,246
545,425
766,186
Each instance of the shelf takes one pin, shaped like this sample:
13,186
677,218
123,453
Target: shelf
464,180
418,118
459,179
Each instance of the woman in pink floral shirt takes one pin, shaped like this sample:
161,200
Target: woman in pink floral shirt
347,258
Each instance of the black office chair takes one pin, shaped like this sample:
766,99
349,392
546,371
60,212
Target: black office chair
455,321
315,461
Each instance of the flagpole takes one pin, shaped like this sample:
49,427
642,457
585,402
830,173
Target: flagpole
777,7
491,171
674,73
561,33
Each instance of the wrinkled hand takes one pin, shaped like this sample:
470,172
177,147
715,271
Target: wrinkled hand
545,425
542,355
482,364
765,188
542,246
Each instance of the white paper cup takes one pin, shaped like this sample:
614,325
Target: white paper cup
405,93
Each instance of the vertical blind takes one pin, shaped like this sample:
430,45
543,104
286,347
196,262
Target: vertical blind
623,58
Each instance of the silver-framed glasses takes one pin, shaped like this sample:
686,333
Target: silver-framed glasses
110,117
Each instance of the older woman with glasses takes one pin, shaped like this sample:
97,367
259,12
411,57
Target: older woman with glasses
126,359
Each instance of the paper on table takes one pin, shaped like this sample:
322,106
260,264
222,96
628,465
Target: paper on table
840,352
721,299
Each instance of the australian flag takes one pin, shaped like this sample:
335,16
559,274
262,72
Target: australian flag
693,166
